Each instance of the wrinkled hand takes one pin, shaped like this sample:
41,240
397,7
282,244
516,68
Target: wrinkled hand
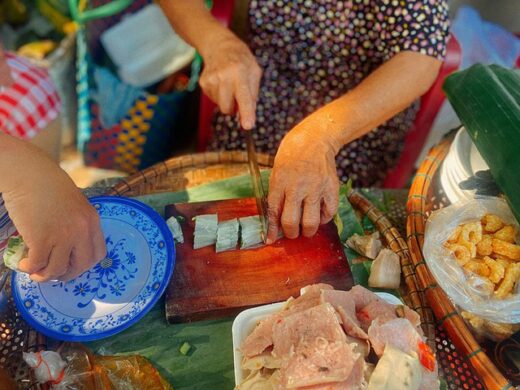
58,224
231,77
304,187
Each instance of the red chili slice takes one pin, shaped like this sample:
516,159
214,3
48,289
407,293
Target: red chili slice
426,356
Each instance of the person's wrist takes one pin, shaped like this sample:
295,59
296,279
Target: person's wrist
321,130
10,149
214,36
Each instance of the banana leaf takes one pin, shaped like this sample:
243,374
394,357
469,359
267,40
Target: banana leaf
209,363
487,100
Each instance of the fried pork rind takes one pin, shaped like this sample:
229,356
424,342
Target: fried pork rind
492,330
488,284
498,251
485,246
461,253
491,223
471,232
497,270
507,234
512,273
478,267
455,235
507,249
505,262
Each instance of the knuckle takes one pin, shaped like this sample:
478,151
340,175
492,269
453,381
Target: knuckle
289,223
225,108
310,222
310,231
292,195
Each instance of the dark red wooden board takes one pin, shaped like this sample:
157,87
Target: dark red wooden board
207,285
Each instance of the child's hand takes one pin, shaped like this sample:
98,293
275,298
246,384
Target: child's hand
59,226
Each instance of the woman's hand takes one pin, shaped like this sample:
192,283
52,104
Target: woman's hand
59,226
231,77
304,187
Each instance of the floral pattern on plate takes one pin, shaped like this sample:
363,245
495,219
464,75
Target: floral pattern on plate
118,290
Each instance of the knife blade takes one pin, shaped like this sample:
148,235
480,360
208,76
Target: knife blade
256,181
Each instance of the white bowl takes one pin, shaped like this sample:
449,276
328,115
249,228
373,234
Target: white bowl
246,321
462,161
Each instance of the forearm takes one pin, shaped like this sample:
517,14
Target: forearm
194,23
381,95
19,159
11,149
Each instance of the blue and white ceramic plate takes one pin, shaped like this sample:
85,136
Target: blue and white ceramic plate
115,293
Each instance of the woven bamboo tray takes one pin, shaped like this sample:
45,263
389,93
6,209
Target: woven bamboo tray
422,199
191,170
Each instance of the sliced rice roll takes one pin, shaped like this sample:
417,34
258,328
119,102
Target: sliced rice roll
227,235
175,229
251,232
205,230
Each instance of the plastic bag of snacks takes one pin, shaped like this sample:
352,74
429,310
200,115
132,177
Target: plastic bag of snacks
472,250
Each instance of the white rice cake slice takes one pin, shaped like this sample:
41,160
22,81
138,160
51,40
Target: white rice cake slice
205,230
227,235
251,232
175,229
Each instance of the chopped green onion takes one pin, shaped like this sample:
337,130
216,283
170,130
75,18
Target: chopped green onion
185,348
16,250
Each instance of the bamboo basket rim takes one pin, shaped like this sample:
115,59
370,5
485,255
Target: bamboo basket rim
412,293
189,161
443,309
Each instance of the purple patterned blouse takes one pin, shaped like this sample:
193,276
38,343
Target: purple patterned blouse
314,51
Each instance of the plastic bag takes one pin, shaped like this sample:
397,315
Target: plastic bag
48,366
74,367
467,290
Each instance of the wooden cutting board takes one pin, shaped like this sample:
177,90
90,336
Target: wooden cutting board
208,285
